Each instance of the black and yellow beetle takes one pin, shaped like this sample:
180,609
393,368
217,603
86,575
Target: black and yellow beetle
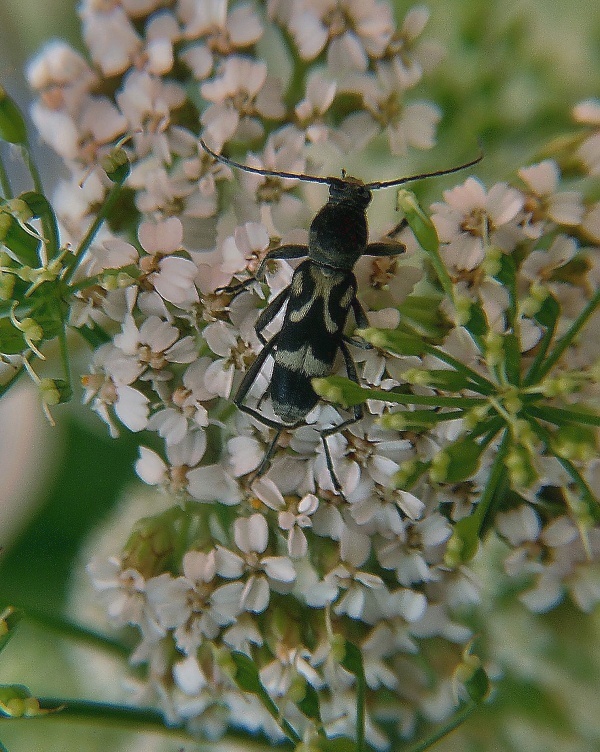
322,292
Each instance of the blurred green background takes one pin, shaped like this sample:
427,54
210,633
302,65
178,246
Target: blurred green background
511,75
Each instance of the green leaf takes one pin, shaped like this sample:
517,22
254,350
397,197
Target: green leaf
549,312
247,678
392,341
507,273
310,705
9,620
512,359
94,336
48,313
67,512
478,685
41,208
12,122
464,543
462,459
23,245
11,339
353,662
477,323
246,675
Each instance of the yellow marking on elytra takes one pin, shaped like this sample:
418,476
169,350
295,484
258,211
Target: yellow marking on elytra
303,361
325,282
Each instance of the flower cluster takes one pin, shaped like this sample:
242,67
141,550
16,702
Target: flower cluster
478,412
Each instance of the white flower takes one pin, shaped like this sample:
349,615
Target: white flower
185,604
470,216
365,25
124,590
413,553
213,483
241,91
588,112
183,456
59,65
251,538
110,37
562,207
354,551
319,96
519,525
147,101
244,248
539,266
225,30
189,676
292,517
153,345
224,340
290,663
411,124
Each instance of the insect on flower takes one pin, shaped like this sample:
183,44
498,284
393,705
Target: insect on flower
322,292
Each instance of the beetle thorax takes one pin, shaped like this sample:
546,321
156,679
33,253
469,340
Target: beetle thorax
338,234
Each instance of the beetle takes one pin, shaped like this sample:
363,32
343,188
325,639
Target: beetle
319,298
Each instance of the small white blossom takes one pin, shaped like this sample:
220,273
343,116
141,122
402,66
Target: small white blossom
562,207
471,218
251,538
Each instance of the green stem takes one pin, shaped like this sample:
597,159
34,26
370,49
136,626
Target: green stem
361,701
568,336
532,375
560,417
5,186
33,170
70,630
446,729
107,206
495,477
482,384
489,427
135,719
82,284
421,399
48,228
64,356
588,497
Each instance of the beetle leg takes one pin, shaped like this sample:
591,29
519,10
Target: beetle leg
389,246
283,252
269,313
252,373
358,414
266,460
242,392
362,322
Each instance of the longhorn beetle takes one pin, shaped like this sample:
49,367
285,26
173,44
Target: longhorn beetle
319,297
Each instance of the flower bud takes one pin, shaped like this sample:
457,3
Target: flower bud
421,225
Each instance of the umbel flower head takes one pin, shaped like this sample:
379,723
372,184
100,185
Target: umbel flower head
297,586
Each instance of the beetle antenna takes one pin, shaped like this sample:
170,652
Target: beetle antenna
420,176
260,171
